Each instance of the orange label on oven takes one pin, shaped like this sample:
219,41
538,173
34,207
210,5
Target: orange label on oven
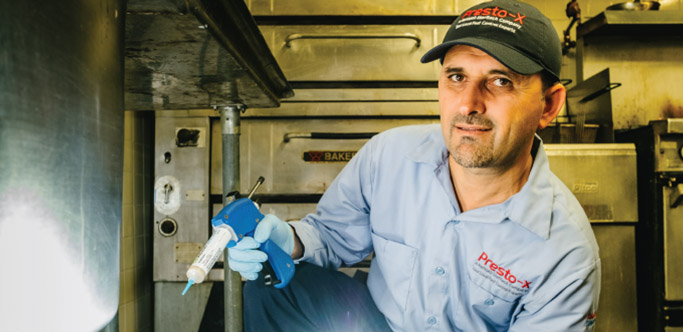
328,156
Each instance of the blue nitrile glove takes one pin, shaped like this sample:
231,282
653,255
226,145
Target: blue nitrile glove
246,258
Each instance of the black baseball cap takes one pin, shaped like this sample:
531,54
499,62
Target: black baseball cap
514,33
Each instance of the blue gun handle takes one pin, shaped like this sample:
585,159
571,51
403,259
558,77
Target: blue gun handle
281,263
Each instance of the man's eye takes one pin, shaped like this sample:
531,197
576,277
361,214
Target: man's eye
457,78
502,82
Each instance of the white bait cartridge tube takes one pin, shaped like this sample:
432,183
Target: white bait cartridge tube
209,255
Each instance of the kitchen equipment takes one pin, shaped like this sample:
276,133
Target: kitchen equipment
660,231
642,50
602,177
635,5
589,116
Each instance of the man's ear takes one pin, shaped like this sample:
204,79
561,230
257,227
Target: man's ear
555,97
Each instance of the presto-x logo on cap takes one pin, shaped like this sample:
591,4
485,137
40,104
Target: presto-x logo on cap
494,17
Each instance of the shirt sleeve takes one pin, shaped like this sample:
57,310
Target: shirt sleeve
339,231
568,305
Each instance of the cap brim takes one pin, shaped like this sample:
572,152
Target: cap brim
509,57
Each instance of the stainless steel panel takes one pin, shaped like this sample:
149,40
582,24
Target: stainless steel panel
61,163
617,304
189,208
601,176
352,7
673,329
264,152
176,312
196,54
673,242
343,56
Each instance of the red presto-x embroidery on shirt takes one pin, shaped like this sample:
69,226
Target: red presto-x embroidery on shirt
501,271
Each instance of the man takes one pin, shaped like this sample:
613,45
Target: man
470,229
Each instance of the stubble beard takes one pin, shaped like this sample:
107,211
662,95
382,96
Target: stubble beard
470,152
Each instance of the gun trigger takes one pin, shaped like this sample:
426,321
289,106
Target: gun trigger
269,278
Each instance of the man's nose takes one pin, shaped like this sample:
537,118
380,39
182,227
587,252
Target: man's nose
471,100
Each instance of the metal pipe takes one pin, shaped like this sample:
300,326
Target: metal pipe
232,290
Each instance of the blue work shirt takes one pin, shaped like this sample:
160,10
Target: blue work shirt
528,264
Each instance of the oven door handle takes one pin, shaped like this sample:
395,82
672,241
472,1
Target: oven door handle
289,136
297,36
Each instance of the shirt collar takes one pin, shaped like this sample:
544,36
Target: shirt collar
531,207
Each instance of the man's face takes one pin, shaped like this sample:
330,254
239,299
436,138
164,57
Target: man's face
488,112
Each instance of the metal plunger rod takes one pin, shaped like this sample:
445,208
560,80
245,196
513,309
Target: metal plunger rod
259,182
230,129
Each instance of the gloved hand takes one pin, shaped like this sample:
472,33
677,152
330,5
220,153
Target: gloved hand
246,258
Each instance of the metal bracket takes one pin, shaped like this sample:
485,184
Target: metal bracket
679,199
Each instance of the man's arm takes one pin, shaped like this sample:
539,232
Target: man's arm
339,230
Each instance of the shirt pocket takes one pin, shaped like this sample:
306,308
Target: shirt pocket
394,266
490,301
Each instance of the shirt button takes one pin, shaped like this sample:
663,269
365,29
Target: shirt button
440,271
431,320
489,302
455,221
